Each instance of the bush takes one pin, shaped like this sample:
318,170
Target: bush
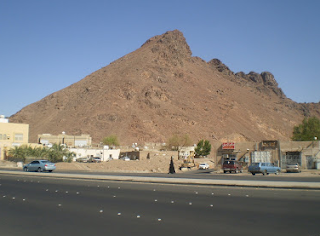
15,159
111,140
177,141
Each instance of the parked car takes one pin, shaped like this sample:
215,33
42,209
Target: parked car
82,159
293,168
40,165
97,159
264,168
204,166
232,166
94,159
125,158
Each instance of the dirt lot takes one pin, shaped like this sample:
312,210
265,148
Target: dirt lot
156,164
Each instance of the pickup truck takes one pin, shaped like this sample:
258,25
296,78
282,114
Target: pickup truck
232,166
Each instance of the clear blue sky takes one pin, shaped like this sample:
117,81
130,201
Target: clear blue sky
49,45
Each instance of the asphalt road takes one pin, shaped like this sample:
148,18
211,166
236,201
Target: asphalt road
210,174
32,205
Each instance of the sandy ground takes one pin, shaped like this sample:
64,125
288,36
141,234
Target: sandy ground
154,165
159,164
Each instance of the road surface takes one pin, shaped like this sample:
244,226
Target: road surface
32,205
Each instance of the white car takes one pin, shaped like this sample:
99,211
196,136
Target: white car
126,158
203,166
293,168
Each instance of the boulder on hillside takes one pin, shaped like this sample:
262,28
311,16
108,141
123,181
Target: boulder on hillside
262,82
218,65
268,79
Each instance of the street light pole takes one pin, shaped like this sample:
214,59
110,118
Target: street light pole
312,152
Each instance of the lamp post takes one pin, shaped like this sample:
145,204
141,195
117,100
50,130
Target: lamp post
312,152
315,140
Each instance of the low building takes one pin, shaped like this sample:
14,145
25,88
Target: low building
83,140
12,134
305,153
104,154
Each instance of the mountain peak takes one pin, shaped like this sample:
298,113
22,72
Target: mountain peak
159,90
171,44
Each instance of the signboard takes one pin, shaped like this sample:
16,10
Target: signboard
229,145
269,144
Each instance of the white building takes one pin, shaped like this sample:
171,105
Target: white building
104,154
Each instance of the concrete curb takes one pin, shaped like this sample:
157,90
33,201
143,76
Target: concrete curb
238,183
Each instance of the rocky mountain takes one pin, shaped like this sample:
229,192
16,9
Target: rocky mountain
160,90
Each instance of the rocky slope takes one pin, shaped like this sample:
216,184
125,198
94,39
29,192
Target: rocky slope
160,90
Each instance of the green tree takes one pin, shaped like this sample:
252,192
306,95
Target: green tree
203,148
57,152
111,140
306,131
178,141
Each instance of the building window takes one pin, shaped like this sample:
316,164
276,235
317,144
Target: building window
18,137
3,137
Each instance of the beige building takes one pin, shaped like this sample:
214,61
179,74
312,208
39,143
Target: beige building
305,153
12,134
83,140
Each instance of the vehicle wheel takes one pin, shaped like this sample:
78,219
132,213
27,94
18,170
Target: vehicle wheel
25,169
39,169
264,172
224,171
277,172
253,173
50,170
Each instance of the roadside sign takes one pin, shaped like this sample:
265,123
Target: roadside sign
229,145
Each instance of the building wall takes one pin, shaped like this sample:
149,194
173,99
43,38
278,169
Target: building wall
241,151
104,154
309,151
12,134
83,140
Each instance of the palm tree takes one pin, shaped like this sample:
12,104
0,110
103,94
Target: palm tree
17,153
57,152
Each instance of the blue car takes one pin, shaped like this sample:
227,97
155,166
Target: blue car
40,165
264,168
